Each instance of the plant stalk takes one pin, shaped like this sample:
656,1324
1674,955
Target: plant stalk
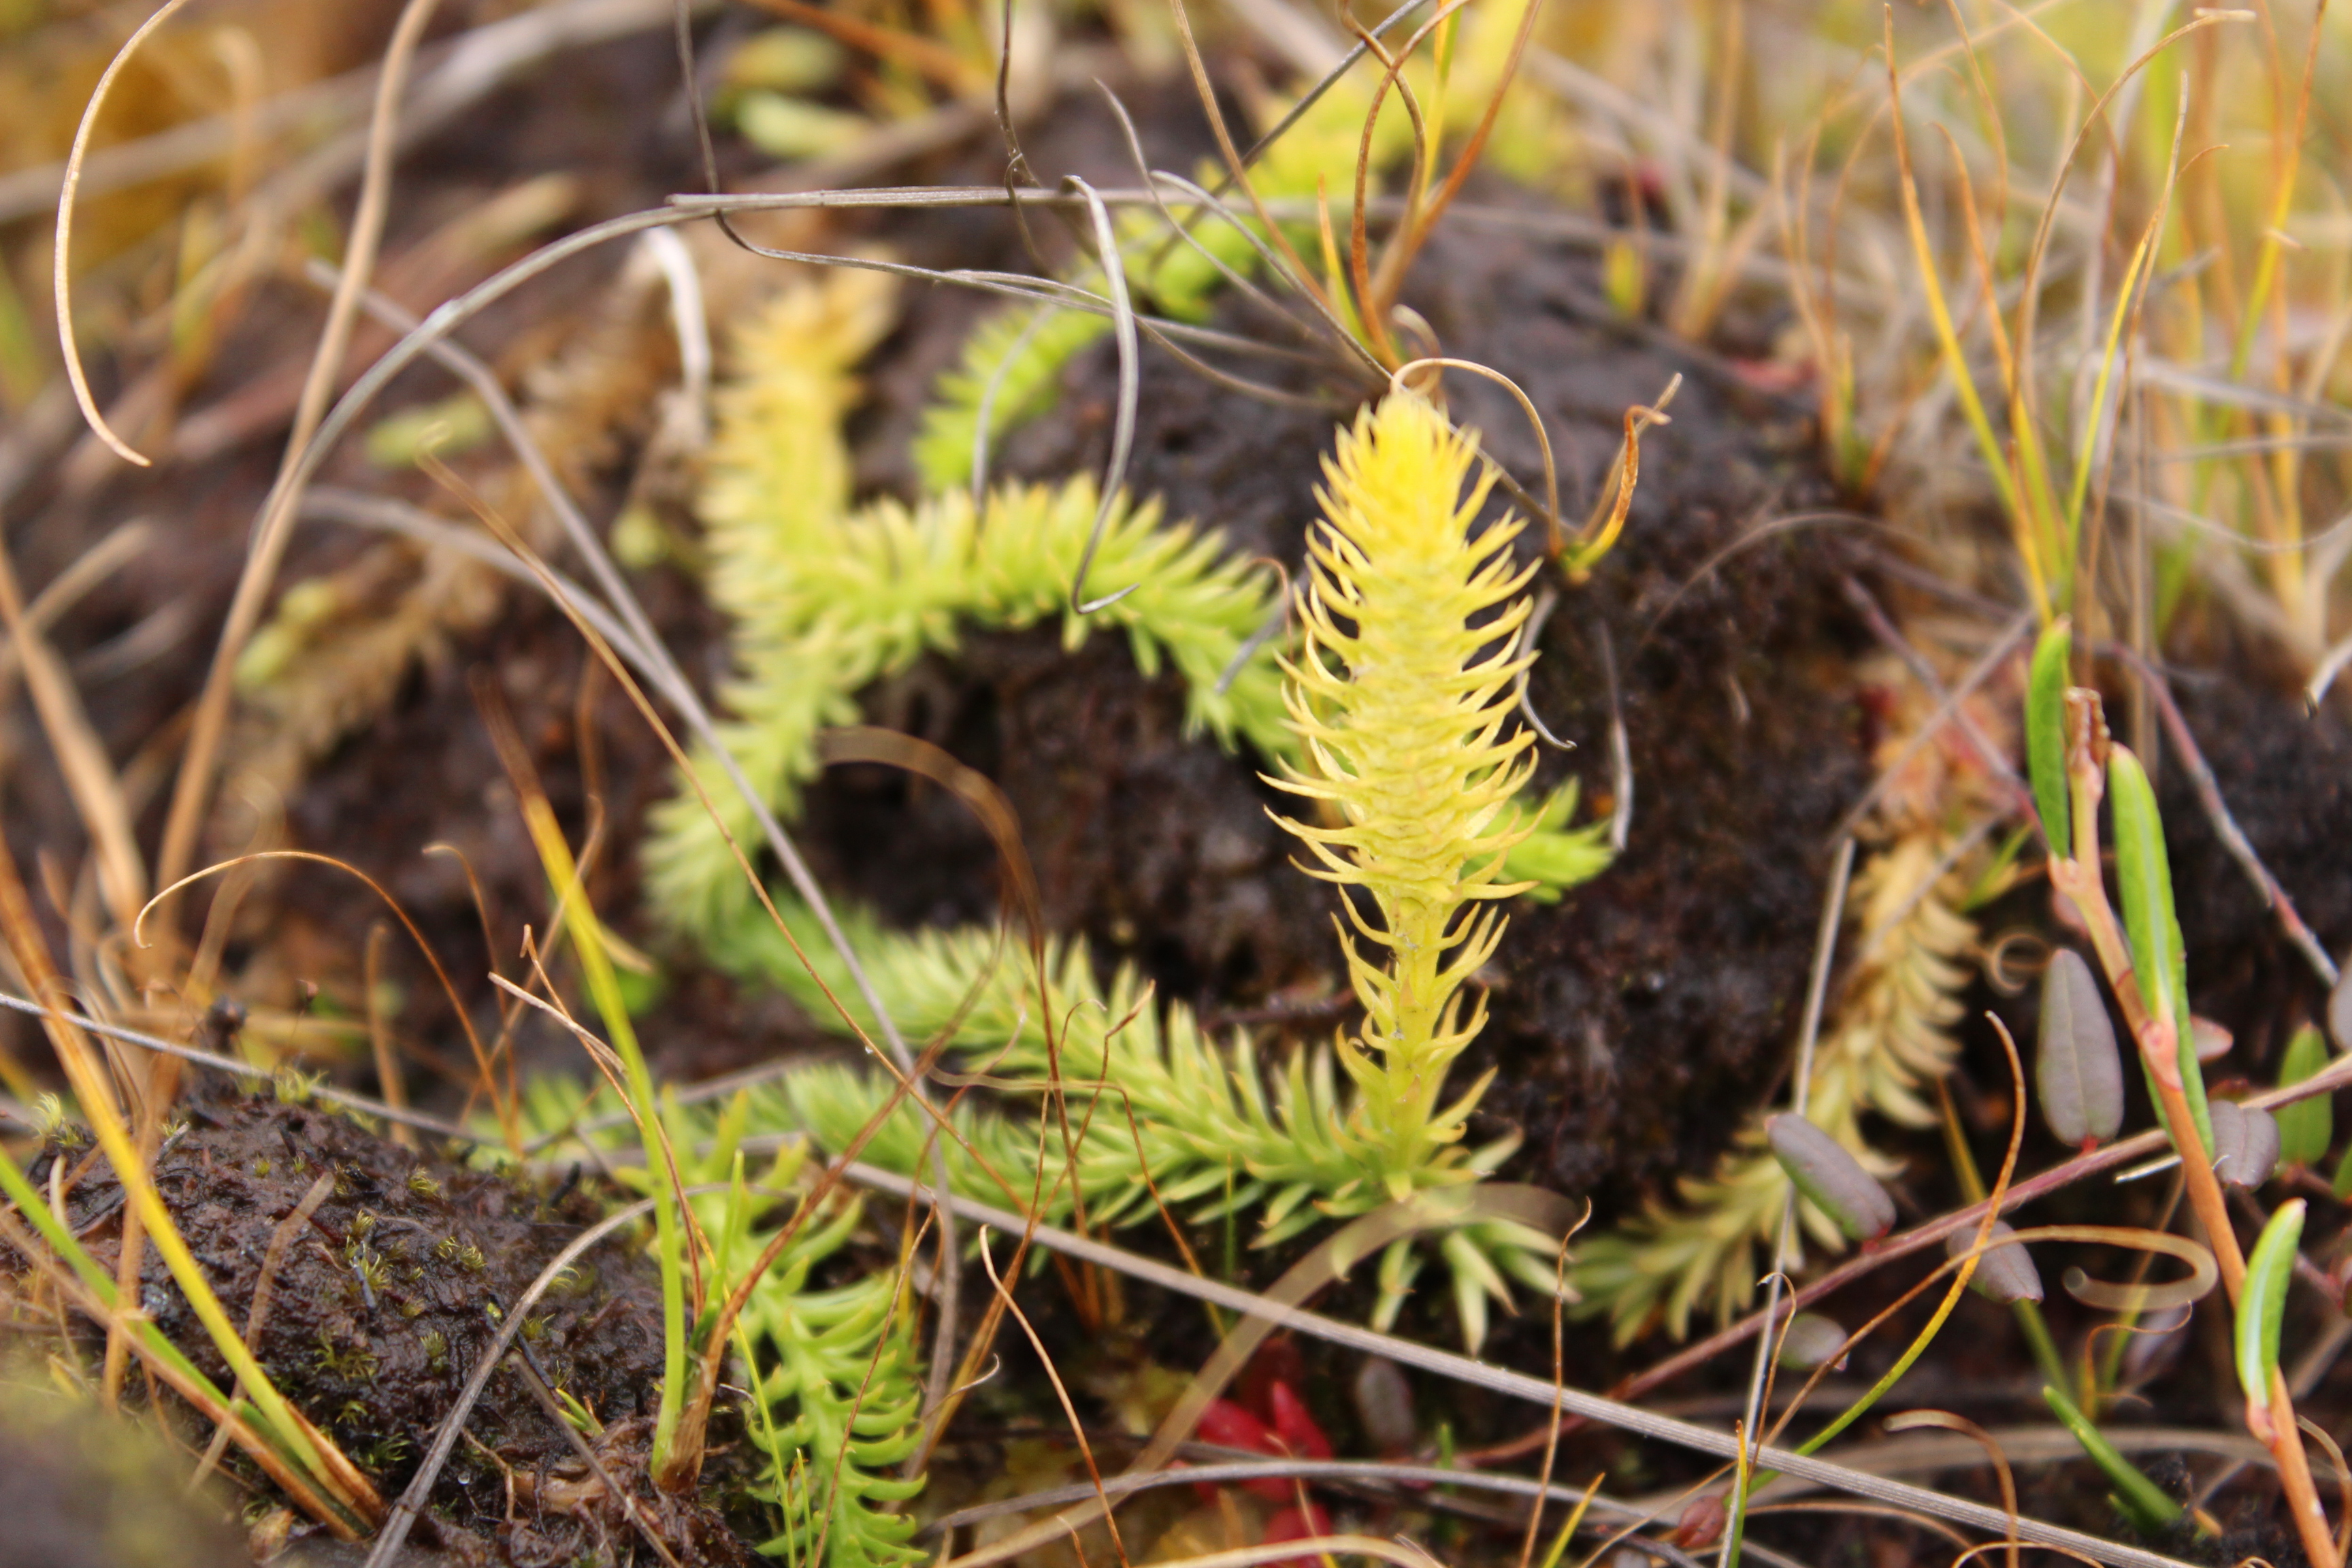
2079,877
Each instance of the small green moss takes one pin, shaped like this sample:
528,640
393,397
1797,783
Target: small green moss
294,1087
380,1453
423,1185
353,1364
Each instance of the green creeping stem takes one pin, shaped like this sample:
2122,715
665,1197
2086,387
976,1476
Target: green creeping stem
2138,1497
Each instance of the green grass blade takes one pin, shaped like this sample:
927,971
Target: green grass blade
2045,734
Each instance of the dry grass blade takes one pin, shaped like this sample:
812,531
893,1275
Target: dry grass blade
1910,1420
192,792
310,1447
1122,440
1809,1031
69,587
73,742
183,1380
265,1286
533,1379
230,1065
1401,376
489,1077
61,278
1061,1392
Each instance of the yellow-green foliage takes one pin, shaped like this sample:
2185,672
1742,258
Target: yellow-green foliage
824,600
1890,1037
832,1369
1153,1103
1403,715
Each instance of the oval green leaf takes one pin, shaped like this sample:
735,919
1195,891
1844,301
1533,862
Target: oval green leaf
2005,1270
2245,1144
2307,1126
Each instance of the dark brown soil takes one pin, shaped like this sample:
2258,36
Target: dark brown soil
381,1303
2286,775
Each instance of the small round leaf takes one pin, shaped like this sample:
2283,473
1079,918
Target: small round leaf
1812,1341
2077,1070
2005,1270
2245,1144
1829,1177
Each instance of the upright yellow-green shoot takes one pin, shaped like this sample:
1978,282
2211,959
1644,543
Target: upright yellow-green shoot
1401,692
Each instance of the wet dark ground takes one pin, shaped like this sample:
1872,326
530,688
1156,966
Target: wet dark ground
383,1301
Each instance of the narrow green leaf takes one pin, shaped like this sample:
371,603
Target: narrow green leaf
2045,734
2149,1510
2307,1126
2144,877
2261,1309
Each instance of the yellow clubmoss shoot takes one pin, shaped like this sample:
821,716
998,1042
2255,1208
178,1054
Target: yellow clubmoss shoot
1400,701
